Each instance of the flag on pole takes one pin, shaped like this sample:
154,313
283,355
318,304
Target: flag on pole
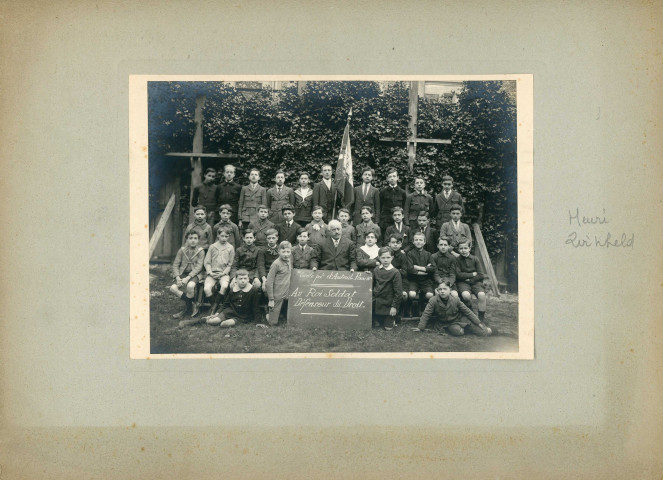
343,181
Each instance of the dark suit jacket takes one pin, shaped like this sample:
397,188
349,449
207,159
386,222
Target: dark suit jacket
276,200
303,259
332,258
288,233
372,200
325,198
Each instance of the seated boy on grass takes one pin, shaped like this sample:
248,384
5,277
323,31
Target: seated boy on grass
241,304
186,267
450,314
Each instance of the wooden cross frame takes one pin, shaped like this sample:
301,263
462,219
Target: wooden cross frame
413,109
197,151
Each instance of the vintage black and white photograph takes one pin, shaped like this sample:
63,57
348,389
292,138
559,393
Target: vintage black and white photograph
311,216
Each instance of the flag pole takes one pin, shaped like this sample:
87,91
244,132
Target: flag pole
347,126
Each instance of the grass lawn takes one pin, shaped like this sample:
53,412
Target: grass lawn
166,337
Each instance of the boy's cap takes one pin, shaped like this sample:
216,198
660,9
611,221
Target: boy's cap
287,206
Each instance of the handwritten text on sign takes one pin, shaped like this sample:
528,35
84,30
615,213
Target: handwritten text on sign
326,298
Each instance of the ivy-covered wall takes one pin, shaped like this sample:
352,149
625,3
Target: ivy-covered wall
284,130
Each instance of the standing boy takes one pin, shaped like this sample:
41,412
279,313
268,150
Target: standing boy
246,257
324,192
419,272
278,196
205,194
390,196
250,197
317,228
268,254
399,227
470,279
225,212
303,200
201,227
303,254
347,230
441,211
387,288
336,253
366,195
261,226
288,228
228,192
399,261
418,201
456,231
445,265
186,267
278,283
365,226
423,226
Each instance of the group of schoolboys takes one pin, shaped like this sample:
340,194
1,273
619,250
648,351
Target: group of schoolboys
249,272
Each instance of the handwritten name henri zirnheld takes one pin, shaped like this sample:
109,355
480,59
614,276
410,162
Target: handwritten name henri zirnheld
603,239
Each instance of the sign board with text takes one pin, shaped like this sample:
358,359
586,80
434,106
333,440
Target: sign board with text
330,299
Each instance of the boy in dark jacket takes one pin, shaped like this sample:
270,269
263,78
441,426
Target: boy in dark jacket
470,279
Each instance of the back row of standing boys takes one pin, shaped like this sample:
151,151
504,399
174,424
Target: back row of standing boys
282,228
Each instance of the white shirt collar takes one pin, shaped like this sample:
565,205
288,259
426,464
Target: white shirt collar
388,268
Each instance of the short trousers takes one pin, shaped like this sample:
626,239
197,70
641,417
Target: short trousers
475,288
424,284
197,279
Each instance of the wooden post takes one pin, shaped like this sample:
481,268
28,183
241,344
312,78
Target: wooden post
413,110
196,162
486,259
158,231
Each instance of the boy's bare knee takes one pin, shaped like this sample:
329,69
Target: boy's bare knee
466,296
454,293
429,295
481,295
413,295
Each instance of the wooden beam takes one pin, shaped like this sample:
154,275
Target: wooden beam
158,231
196,162
413,109
486,259
205,155
416,140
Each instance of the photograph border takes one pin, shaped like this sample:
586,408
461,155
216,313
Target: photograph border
139,217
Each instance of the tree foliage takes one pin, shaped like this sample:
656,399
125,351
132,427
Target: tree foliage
274,130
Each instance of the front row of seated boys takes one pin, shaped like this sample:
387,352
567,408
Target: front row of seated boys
247,279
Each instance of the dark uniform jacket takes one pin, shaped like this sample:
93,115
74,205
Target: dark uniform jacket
276,200
387,289
415,203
